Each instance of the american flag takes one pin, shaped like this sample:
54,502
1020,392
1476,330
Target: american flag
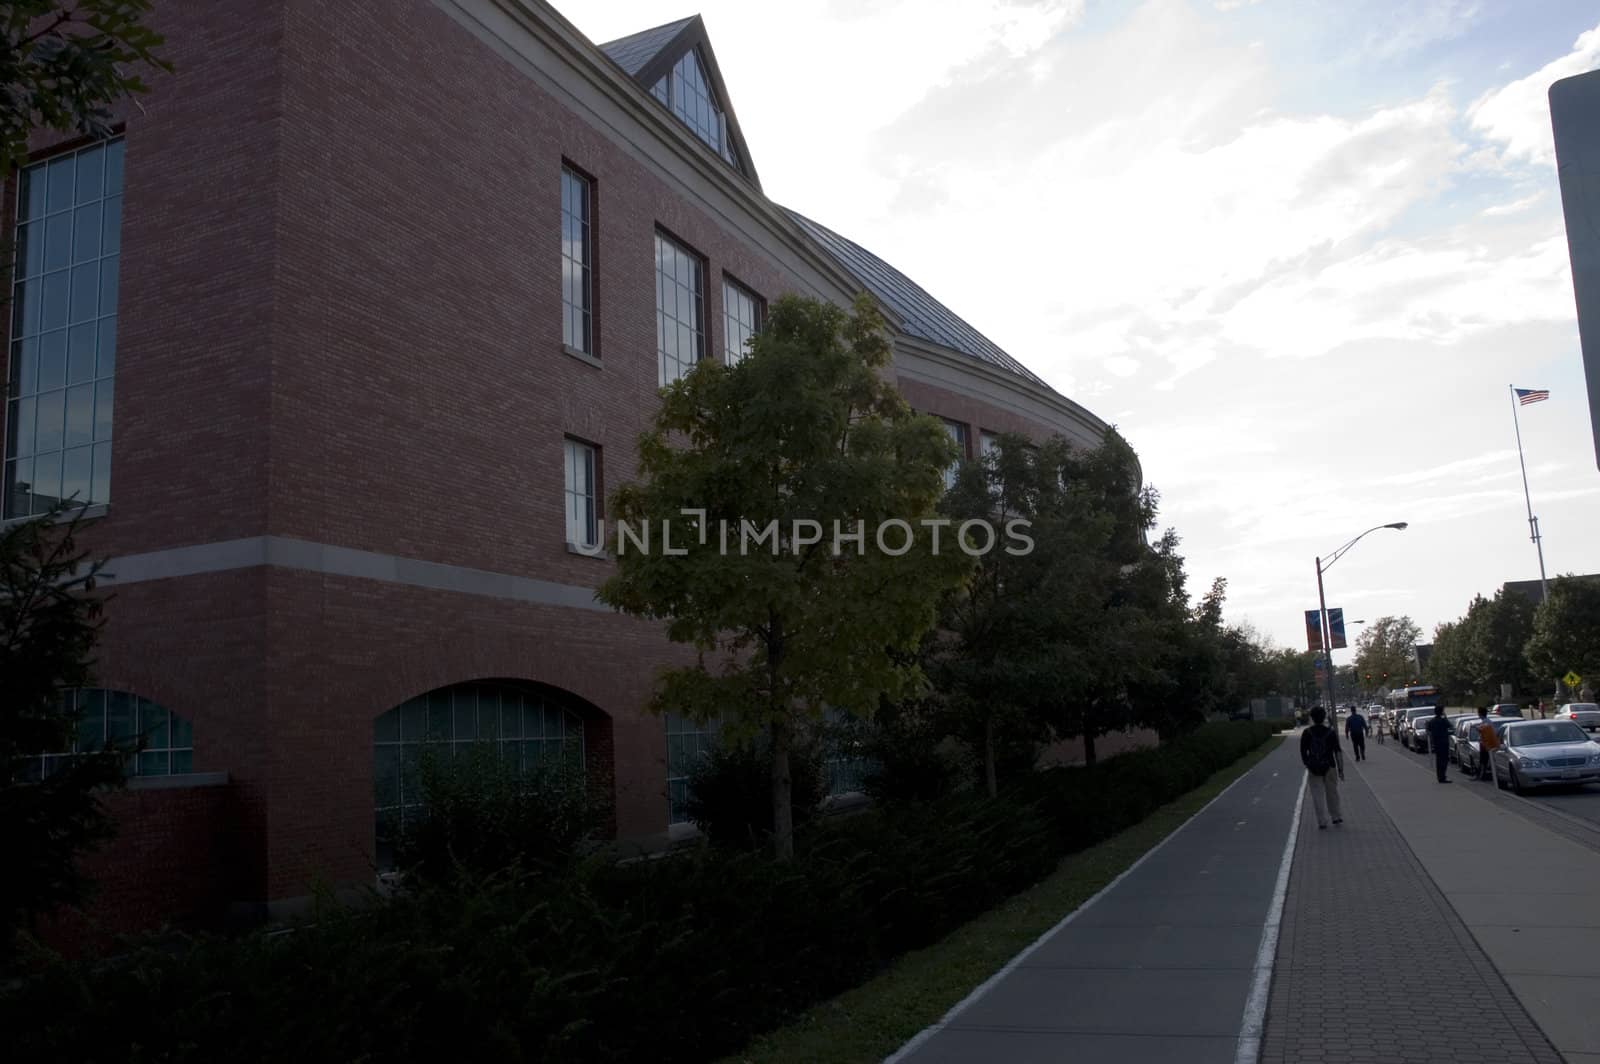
1531,395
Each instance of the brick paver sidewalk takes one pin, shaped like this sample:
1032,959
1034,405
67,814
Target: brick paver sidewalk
1374,965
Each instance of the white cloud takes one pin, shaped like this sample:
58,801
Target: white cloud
1517,116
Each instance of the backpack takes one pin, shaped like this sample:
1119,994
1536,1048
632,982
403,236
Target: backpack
1318,754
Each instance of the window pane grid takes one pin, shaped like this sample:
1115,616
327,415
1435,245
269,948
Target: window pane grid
958,432
680,333
105,717
577,280
687,743
686,92
63,351
582,505
528,731
742,313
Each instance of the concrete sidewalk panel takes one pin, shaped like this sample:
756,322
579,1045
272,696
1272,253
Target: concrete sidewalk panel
1511,909
1565,951
1565,1007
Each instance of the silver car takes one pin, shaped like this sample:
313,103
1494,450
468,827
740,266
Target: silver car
1536,753
1466,754
1584,714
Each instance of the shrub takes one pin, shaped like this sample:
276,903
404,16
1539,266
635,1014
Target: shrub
730,792
912,758
480,815
679,959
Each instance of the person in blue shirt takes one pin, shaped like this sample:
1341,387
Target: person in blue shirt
1355,729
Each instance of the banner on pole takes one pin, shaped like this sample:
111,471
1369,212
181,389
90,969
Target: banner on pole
1336,629
1313,630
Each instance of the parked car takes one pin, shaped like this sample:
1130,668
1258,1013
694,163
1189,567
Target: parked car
1467,741
1505,709
1584,714
1538,753
1456,720
1411,728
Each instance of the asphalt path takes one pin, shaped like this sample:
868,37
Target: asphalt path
1171,962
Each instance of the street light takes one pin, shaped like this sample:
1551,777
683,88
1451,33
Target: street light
1322,603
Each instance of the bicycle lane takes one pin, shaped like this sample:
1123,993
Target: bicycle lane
1166,963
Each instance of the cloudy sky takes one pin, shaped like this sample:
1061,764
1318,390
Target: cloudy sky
1295,249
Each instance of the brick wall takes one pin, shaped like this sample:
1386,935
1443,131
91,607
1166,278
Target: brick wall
171,863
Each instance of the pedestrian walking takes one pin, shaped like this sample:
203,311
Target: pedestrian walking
1439,743
1355,729
1324,762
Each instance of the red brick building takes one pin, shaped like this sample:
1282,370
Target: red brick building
377,296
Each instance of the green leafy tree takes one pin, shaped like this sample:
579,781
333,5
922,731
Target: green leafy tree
802,436
65,66
1016,637
1566,631
1386,649
50,615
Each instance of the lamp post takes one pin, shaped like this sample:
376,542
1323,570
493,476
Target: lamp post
1322,604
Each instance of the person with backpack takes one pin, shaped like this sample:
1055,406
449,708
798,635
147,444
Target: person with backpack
1324,762
1355,729
1439,734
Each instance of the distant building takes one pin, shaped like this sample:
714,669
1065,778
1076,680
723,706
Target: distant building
1533,590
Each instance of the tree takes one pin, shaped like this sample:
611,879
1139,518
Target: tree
1016,636
65,65
1566,631
50,615
799,442
1386,650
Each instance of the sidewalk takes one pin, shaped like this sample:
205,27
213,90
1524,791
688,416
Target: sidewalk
1530,896
1158,967
1373,964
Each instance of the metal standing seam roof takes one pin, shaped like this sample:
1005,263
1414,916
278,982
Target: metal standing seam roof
632,52
923,316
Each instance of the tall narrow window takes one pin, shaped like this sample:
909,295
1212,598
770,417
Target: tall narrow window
577,275
958,432
989,451
63,331
680,309
687,743
742,312
583,516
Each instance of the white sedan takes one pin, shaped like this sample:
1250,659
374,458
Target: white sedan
1584,714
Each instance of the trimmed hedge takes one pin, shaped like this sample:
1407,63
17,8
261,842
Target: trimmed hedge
679,959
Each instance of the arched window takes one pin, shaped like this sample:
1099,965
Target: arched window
531,728
108,718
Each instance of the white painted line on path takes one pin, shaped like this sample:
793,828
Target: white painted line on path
1255,1006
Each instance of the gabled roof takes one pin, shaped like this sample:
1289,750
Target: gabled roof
649,55
922,315
632,52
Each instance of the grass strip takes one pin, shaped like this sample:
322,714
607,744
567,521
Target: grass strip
874,1019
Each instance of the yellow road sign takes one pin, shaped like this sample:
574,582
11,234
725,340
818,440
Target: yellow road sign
1572,679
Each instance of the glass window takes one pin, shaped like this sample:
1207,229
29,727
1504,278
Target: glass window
116,717
582,505
687,743
687,93
63,331
680,314
845,761
577,275
958,432
743,312
531,729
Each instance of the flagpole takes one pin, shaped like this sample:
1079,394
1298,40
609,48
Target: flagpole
1533,522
